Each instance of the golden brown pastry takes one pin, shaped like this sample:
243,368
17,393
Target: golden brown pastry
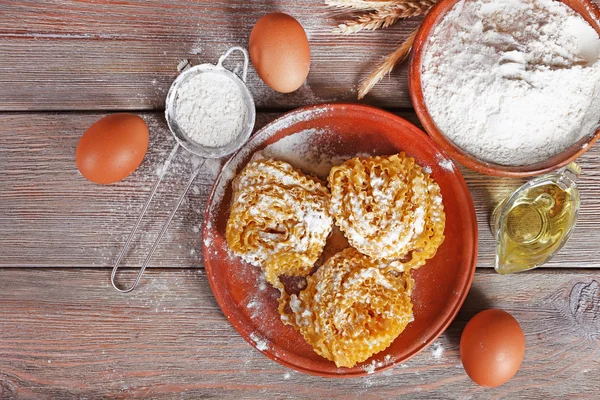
388,208
351,308
279,219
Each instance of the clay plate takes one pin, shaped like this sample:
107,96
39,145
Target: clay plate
441,285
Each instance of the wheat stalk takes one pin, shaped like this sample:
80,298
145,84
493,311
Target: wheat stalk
386,66
362,4
385,16
382,13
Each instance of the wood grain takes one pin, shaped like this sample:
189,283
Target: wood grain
67,333
83,55
105,55
52,217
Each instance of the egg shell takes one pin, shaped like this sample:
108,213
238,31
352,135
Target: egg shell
492,347
112,148
280,52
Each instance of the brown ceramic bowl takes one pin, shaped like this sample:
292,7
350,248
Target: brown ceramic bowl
441,285
588,10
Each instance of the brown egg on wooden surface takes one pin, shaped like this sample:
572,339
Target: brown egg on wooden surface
112,148
280,52
492,347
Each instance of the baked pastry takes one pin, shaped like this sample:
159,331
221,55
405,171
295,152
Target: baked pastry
279,219
388,208
352,308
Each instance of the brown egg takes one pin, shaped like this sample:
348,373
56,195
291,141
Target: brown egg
280,52
492,347
112,148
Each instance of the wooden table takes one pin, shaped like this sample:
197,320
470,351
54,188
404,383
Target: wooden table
64,332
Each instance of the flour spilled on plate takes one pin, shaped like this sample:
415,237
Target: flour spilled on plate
307,151
261,343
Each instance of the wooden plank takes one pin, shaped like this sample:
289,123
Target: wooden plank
51,216
68,334
75,55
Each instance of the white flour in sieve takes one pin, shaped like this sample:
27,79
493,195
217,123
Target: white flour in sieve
210,109
513,81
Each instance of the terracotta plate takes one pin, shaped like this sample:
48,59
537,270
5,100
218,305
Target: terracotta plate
337,132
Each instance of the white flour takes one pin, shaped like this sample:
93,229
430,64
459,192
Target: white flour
306,151
261,343
513,81
437,350
210,109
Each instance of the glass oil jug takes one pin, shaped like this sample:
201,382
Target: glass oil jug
534,223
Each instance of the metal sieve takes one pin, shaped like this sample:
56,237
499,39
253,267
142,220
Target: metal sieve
183,140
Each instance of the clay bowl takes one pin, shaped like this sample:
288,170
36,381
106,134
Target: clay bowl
588,10
442,283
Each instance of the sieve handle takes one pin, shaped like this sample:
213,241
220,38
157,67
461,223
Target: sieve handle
246,60
163,229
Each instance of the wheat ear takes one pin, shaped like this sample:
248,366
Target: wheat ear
362,4
385,17
386,66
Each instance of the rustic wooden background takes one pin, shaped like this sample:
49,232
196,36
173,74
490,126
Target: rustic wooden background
64,332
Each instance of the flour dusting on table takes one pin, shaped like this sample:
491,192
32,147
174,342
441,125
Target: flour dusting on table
376,364
437,350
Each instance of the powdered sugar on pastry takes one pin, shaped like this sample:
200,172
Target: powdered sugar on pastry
275,210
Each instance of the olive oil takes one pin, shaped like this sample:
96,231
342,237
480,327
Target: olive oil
536,221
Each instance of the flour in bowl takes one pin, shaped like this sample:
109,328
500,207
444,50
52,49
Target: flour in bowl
513,82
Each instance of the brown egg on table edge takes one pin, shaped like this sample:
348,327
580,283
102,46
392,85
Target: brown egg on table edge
492,347
112,148
280,52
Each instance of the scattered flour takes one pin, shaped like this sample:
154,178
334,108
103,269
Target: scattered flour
197,48
437,350
262,283
445,164
513,82
261,344
375,364
307,150
207,241
214,166
255,306
369,368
